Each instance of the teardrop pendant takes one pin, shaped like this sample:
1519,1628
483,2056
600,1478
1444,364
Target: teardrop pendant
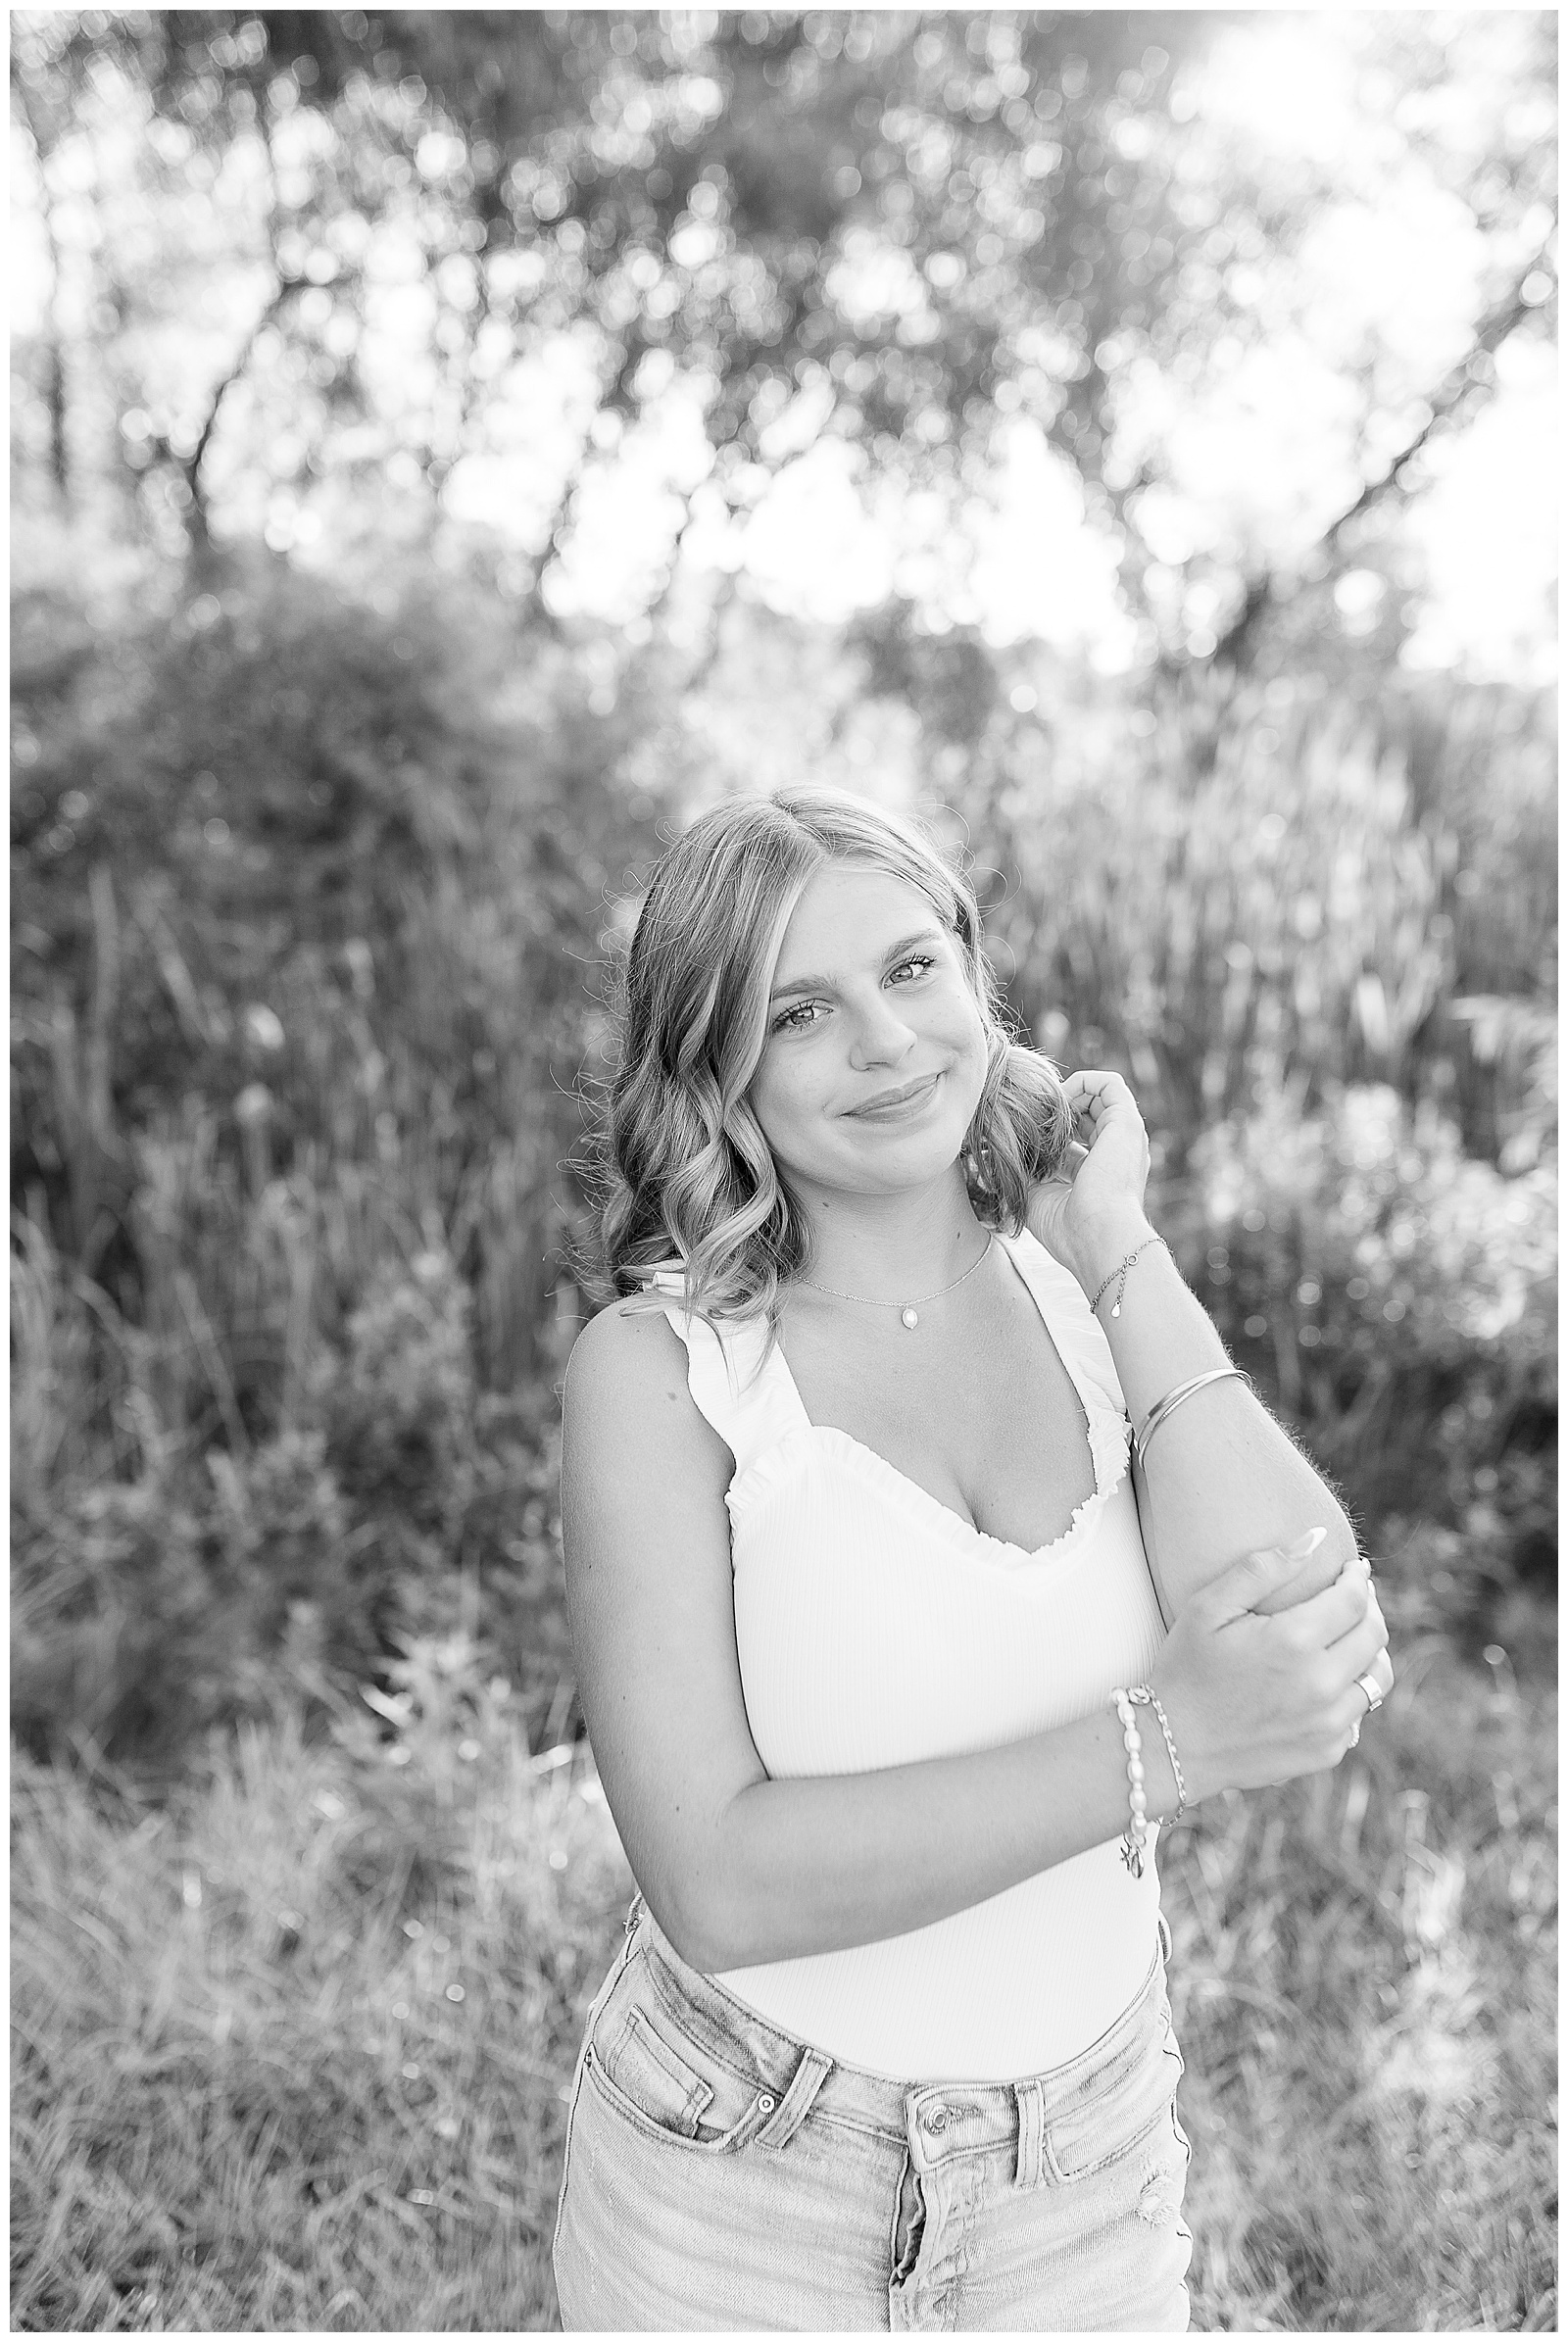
910,1317
1115,1309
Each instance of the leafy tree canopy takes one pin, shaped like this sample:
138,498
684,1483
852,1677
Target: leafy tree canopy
898,229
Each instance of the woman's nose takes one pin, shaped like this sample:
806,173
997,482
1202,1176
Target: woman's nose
881,1036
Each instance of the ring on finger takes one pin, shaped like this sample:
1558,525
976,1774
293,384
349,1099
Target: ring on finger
1374,1695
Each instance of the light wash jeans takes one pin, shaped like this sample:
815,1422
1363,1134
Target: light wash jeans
720,2175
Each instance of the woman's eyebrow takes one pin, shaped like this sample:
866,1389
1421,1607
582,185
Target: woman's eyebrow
921,935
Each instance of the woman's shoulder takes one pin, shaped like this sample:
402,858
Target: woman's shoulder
630,1418
626,1354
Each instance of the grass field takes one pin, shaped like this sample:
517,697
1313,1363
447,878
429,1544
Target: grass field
291,2049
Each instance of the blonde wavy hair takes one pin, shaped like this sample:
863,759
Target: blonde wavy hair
688,1179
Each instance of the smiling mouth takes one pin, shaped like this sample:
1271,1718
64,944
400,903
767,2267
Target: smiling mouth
893,1099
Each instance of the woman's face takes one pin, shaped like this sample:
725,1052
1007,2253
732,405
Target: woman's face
870,995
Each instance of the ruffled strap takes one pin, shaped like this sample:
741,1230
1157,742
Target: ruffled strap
1083,1347
751,1402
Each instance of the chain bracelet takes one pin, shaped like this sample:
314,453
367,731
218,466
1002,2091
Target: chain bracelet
1121,1271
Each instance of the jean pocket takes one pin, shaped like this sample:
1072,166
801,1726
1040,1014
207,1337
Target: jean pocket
650,2071
1119,2110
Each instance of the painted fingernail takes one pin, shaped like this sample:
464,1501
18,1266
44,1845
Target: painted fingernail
1304,1544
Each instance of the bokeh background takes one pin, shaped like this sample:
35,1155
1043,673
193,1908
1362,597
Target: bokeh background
447,451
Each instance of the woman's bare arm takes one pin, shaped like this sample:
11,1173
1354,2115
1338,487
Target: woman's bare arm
739,1868
1221,1478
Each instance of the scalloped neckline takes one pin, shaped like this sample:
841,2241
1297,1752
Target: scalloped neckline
953,1525
900,1482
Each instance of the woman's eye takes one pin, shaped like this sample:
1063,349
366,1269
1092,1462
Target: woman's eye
786,1023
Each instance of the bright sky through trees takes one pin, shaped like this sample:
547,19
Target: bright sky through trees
1263,449
1259,451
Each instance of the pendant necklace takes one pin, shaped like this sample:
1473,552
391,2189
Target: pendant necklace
908,1311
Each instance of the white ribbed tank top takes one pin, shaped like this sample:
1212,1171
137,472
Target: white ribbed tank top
875,1627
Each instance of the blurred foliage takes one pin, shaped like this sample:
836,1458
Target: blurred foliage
1398,1303
1276,887
270,855
312,865
296,1167
915,224
293,1107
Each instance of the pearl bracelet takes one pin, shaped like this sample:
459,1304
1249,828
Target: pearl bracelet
1141,1691
1135,1835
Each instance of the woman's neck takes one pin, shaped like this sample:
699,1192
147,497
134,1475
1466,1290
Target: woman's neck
893,1247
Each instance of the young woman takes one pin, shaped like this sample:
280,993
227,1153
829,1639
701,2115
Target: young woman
888,1670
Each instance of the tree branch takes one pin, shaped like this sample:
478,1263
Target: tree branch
1236,644
616,397
1448,396
190,467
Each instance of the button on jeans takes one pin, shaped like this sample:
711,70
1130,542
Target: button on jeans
720,2175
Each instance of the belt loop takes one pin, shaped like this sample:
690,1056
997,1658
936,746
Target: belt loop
634,1912
795,2104
617,1969
1030,2133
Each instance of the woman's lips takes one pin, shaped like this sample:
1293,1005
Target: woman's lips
903,1108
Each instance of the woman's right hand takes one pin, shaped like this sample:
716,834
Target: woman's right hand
1253,1699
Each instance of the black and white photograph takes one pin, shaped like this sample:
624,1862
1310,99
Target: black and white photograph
784,1170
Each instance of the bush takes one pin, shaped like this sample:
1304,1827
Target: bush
304,889
397,1502
117,1644
291,1558
1242,887
401,1402
1397,1301
319,882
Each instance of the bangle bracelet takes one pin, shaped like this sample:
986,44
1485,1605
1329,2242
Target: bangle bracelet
1144,1692
1173,1399
1133,1840
1121,1271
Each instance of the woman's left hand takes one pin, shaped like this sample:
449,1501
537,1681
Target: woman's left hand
1102,1185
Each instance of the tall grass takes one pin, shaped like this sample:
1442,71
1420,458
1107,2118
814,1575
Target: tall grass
292,2050
1366,1991
289,2051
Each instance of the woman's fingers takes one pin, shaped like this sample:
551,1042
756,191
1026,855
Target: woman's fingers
1358,1653
1320,1621
1261,1696
1355,1707
1370,1608
1379,1671
1094,1094
1372,1618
